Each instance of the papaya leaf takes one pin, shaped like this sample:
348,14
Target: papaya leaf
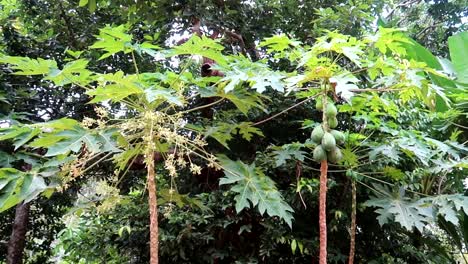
111,40
398,208
72,141
28,66
395,206
155,93
203,46
278,43
6,159
287,152
17,186
248,131
113,92
344,83
254,188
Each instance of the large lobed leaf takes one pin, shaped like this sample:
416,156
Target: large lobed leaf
420,213
254,188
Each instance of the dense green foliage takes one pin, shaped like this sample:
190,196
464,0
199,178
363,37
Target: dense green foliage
88,88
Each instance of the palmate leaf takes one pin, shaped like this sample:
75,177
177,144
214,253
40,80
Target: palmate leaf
28,66
278,43
75,138
242,70
344,83
6,160
414,51
223,132
115,87
202,46
159,93
396,207
242,99
17,186
288,152
113,40
72,72
247,130
254,188
19,134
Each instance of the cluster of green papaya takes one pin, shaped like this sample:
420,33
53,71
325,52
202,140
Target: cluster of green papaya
326,137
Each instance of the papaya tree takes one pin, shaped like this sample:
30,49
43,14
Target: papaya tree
370,79
156,127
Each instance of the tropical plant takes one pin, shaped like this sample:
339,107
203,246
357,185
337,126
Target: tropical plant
378,111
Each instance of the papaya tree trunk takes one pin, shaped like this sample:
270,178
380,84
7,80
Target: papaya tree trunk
153,207
18,235
323,212
352,243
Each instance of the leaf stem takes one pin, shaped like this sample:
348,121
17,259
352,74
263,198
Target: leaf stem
284,111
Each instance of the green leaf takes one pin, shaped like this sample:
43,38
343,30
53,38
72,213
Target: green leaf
278,43
254,187
72,72
344,83
393,173
396,207
155,93
13,132
221,132
247,130
82,3
17,186
116,87
294,246
458,46
288,152
111,40
6,160
202,46
108,140
417,52
24,138
27,66
258,75
61,124
92,6
241,98
73,140
420,213
113,92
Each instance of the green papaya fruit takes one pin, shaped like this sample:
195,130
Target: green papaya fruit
319,154
319,104
317,134
331,111
328,141
332,122
339,136
335,155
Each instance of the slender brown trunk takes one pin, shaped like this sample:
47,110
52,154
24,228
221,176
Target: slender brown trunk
323,212
18,235
153,207
352,243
